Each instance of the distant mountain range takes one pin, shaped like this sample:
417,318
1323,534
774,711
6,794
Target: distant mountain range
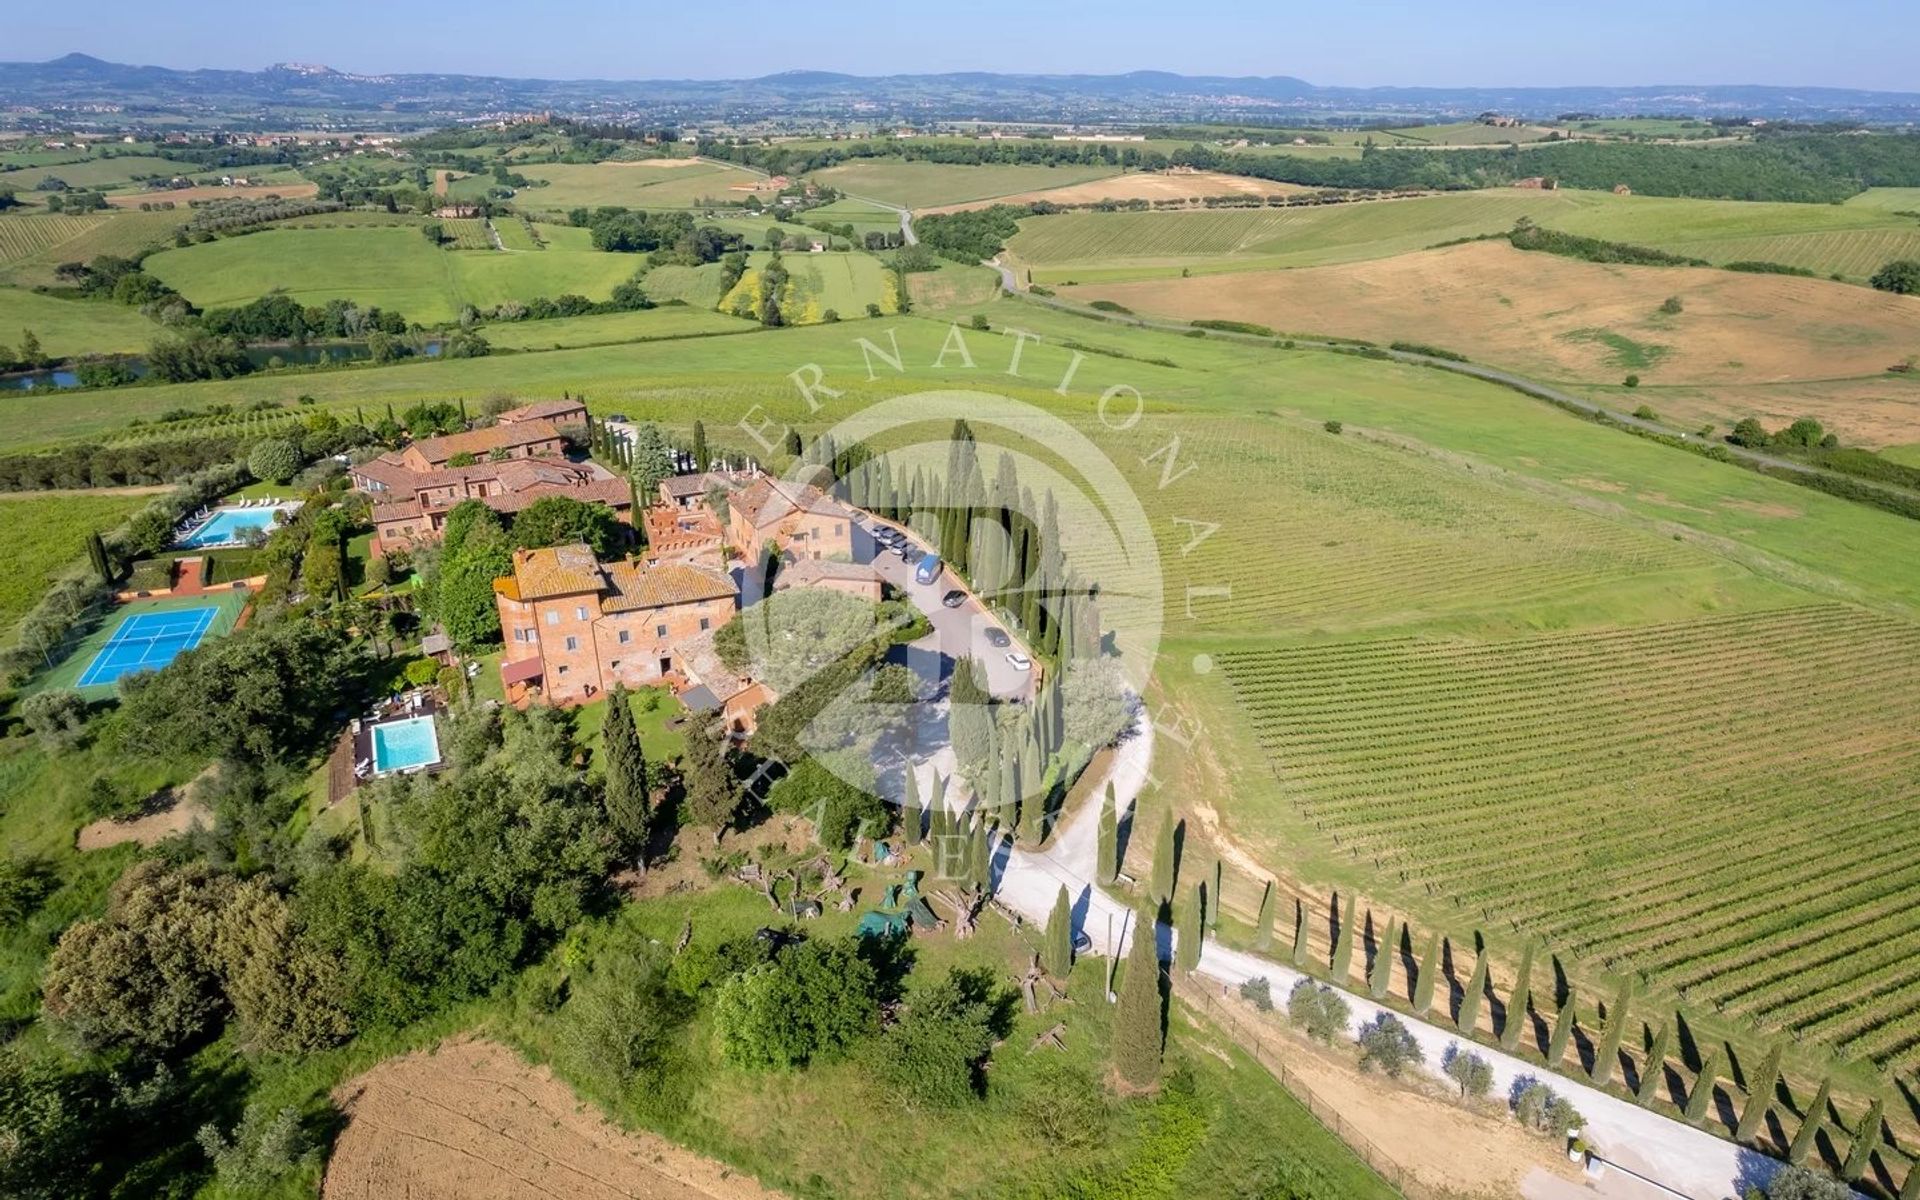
288,90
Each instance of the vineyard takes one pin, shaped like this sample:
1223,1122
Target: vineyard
1856,254
24,236
466,233
1854,240
1642,798
123,233
1073,245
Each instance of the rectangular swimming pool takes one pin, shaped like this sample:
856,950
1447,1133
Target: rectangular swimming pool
230,526
398,745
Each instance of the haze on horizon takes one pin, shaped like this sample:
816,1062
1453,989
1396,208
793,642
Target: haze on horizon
1368,43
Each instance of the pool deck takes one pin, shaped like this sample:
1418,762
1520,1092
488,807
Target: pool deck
271,511
356,746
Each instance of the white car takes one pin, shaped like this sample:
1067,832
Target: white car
1020,661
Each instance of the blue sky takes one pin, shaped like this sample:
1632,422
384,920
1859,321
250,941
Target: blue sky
1842,43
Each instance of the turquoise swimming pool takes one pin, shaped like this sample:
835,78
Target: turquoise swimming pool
398,745
229,527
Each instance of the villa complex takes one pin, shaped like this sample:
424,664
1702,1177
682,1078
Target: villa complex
507,466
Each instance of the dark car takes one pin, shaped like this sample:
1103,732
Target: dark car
954,599
997,637
912,554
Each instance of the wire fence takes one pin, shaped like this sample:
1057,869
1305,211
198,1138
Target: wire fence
1370,1152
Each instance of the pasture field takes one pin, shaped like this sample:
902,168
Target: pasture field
603,329
42,535
466,233
863,215
1582,786
121,233
1889,199
649,183
1564,319
1106,247
816,284
698,287
1458,133
516,234
71,327
920,185
1143,185
96,172
394,268
293,189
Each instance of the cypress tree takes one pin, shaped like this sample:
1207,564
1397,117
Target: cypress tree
626,798
1187,951
1109,841
1810,1124
910,807
1607,1054
1165,869
1383,952
1213,898
1058,953
1476,988
1137,1018
1517,1002
1866,1139
1562,1032
1429,975
1263,941
97,553
1300,934
1341,965
981,855
701,458
1760,1096
1700,1099
1654,1073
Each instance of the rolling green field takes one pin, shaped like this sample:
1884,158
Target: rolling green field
1090,246
71,327
394,268
515,234
925,184
1891,199
42,535
1459,133
865,217
603,329
96,173
569,185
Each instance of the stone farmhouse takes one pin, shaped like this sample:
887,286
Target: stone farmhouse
794,519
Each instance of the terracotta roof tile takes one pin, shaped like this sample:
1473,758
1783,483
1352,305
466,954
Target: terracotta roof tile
664,584
557,571
481,442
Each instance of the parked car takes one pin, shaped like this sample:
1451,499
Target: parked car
912,554
1082,943
1020,661
954,598
997,637
927,571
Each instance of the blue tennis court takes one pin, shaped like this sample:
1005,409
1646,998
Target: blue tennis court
149,641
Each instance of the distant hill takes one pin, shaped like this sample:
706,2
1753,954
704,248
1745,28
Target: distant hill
78,79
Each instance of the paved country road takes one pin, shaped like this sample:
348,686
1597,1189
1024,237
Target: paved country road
1675,1156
